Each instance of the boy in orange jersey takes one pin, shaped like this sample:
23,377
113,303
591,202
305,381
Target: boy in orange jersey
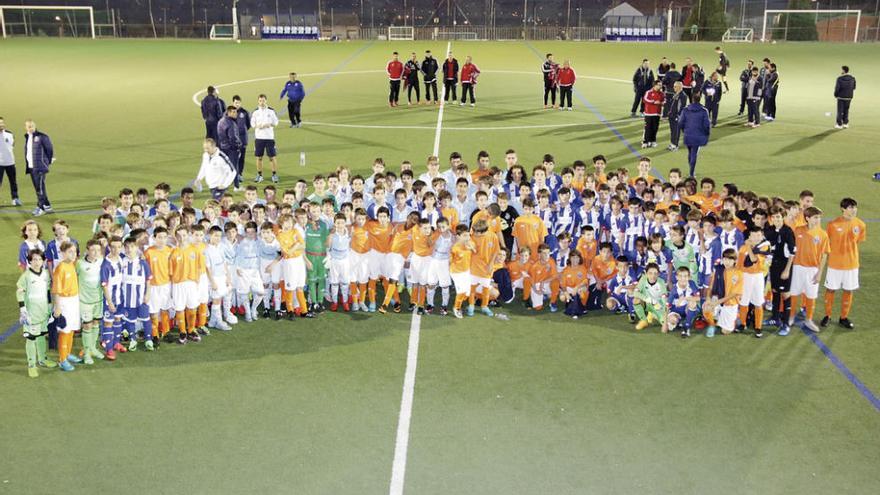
491,214
460,267
203,285
811,253
587,245
545,279
845,233
158,257
420,261
486,248
293,267
644,171
574,286
707,200
751,262
448,211
528,229
725,290
360,261
184,269
65,294
519,273
394,262
601,271
381,234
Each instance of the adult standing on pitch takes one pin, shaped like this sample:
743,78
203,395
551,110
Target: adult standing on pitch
662,68
550,69
643,81
243,120
264,120
744,77
712,95
469,74
394,69
843,91
296,93
669,79
771,89
212,111
753,98
450,77
7,161
38,156
429,74
654,100
230,139
687,77
411,75
676,105
723,65
694,123
217,170
567,78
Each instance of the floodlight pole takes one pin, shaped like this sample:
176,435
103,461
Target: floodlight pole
235,33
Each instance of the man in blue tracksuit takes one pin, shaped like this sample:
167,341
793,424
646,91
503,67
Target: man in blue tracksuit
296,93
243,120
213,109
229,140
694,122
38,156
677,103
712,96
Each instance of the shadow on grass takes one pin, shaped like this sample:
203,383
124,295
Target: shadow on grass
804,143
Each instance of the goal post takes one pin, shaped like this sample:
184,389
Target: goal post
773,13
401,33
738,35
223,32
25,11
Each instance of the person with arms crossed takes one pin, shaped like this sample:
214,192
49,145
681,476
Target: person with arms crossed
643,81
429,75
450,77
264,120
845,233
295,93
677,103
843,92
411,79
212,112
7,161
567,78
394,69
39,154
712,93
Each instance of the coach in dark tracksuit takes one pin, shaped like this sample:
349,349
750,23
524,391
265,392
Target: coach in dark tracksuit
229,138
411,71
677,103
843,91
243,121
429,75
643,81
450,77
670,77
712,96
694,122
296,93
212,111
744,77
38,156
771,90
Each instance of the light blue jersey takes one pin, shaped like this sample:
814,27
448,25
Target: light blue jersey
443,246
340,245
247,254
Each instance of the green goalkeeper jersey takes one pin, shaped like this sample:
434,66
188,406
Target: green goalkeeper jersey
651,293
683,256
316,239
33,289
89,274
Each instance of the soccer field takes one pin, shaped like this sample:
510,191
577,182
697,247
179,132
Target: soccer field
537,404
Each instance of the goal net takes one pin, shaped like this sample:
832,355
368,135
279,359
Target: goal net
401,33
457,35
811,25
222,32
50,20
738,35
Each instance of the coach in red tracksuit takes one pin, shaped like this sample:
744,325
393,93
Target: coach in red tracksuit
450,77
688,78
469,73
653,108
395,74
567,78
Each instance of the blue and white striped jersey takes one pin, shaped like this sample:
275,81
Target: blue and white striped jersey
135,277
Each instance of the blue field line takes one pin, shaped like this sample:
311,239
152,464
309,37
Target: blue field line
333,72
9,331
861,387
632,149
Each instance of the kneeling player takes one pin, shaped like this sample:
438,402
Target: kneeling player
725,290
621,289
684,303
575,285
649,300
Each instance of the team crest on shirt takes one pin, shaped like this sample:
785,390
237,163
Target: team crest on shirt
855,230
815,240
36,139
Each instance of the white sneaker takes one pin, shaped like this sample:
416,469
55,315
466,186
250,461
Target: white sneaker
16,202
846,126
231,318
838,126
220,325
457,313
461,104
473,104
644,145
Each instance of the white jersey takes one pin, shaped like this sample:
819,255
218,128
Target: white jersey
263,116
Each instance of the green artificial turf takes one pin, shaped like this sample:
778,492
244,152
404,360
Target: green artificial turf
536,404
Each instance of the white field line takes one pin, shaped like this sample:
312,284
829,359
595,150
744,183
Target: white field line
401,444
440,113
